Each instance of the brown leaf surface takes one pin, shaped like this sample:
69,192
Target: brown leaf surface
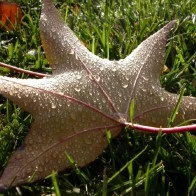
84,97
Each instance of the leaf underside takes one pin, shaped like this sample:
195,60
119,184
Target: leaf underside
83,98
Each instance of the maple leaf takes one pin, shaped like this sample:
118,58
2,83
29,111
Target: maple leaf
85,97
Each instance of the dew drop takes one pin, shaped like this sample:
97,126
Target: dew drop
97,78
114,69
78,77
72,51
77,89
18,156
125,85
68,103
53,106
30,142
145,78
53,29
104,100
88,141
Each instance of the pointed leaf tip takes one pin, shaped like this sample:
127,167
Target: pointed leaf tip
171,25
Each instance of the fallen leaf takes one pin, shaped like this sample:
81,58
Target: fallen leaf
10,15
84,97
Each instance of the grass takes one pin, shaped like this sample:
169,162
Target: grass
135,163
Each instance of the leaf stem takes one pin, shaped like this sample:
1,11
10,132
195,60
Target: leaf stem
23,70
164,130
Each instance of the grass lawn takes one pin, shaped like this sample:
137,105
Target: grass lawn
135,163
